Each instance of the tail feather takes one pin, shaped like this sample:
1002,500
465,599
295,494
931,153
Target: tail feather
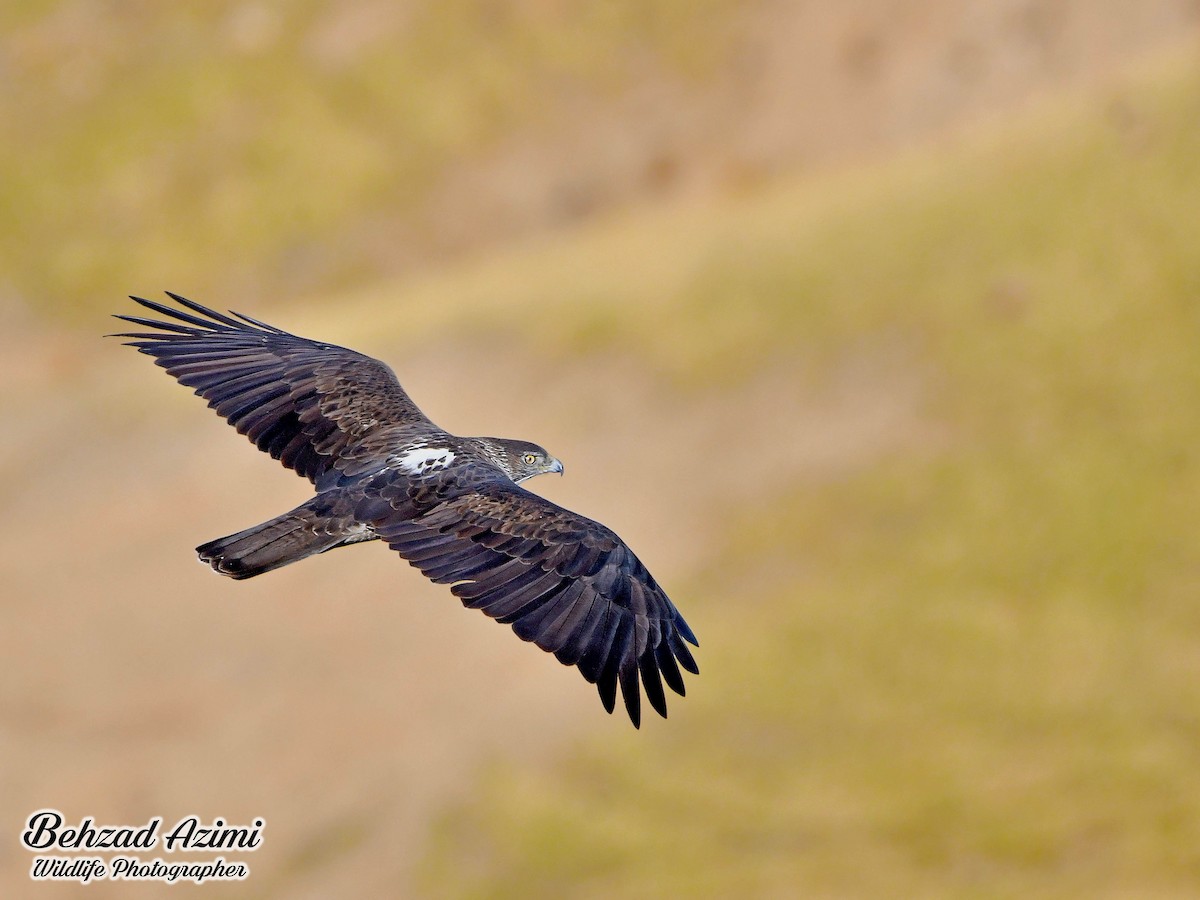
284,539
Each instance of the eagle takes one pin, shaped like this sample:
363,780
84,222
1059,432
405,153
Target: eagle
452,506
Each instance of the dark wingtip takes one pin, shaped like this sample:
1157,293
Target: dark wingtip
203,310
258,323
685,631
117,333
631,692
679,648
652,682
608,693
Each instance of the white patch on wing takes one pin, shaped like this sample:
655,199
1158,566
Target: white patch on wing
421,460
358,532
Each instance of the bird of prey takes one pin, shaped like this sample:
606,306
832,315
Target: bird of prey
451,506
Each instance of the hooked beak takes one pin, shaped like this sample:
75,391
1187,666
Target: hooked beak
555,466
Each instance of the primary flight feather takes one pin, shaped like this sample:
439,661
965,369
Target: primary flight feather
452,506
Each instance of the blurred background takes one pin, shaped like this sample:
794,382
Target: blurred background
871,325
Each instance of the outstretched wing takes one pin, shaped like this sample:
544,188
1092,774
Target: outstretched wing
312,406
563,581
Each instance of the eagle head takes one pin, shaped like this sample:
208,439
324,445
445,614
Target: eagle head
521,459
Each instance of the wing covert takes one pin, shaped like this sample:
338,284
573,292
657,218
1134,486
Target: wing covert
564,582
311,405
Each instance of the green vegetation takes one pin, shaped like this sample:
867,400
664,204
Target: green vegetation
973,669
235,147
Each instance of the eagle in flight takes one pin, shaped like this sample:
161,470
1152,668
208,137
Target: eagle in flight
452,506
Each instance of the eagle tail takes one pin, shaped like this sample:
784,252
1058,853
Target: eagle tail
285,539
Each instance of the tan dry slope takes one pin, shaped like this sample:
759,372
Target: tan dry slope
343,699
315,147
803,84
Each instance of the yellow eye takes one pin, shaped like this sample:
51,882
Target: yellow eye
529,458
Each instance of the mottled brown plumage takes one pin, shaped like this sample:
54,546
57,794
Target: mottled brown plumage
452,506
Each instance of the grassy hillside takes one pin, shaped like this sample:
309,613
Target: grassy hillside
269,149
910,444
972,668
